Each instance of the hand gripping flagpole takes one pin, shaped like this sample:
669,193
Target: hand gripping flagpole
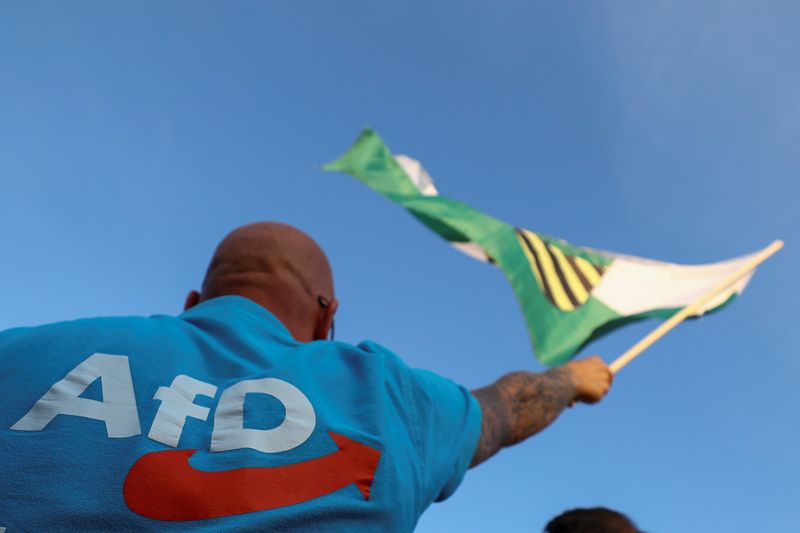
692,308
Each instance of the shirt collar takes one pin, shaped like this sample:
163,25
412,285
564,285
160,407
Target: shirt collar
222,306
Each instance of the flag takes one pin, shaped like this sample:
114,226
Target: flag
569,295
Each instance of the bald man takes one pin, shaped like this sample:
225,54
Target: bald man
591,520
240,415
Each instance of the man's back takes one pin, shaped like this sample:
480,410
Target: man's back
289,435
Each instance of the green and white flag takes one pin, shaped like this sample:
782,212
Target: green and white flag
568,294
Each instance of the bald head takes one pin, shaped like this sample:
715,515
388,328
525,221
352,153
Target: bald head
279,267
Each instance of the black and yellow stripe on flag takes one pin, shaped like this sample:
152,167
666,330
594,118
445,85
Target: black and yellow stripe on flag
567,280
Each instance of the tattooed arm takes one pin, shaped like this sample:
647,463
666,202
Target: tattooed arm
521,404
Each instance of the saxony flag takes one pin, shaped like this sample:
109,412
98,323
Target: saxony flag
568,294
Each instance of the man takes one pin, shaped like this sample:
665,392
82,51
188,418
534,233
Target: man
239,415
591,520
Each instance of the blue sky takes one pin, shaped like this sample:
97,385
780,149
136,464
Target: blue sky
134,135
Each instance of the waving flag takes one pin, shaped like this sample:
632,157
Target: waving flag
569,295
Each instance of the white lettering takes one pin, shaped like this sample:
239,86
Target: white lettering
177,404
117,410
230,433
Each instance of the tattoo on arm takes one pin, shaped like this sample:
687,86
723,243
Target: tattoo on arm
519,405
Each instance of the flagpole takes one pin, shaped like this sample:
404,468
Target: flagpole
690,309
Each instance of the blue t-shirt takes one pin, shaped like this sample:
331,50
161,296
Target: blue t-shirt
218,420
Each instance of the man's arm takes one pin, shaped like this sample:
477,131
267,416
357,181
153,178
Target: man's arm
521,404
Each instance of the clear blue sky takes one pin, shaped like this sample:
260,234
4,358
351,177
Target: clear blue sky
134,135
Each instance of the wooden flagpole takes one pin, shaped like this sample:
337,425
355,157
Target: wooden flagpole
690,309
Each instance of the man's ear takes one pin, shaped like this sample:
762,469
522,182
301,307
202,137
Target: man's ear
326,323
192,299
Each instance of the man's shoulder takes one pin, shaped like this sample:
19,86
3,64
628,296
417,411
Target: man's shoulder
372,347
389,360
114,326
414,381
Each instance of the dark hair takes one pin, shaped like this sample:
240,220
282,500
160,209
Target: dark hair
593,520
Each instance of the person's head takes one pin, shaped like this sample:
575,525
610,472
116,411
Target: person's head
591,520
278,267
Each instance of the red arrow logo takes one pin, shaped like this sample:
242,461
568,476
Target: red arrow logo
164,486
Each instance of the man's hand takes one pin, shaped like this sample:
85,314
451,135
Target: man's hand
591,377
521,404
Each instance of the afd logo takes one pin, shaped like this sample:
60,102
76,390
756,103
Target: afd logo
163,485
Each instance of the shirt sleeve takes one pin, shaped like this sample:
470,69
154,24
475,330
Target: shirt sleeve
443,418
448,422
